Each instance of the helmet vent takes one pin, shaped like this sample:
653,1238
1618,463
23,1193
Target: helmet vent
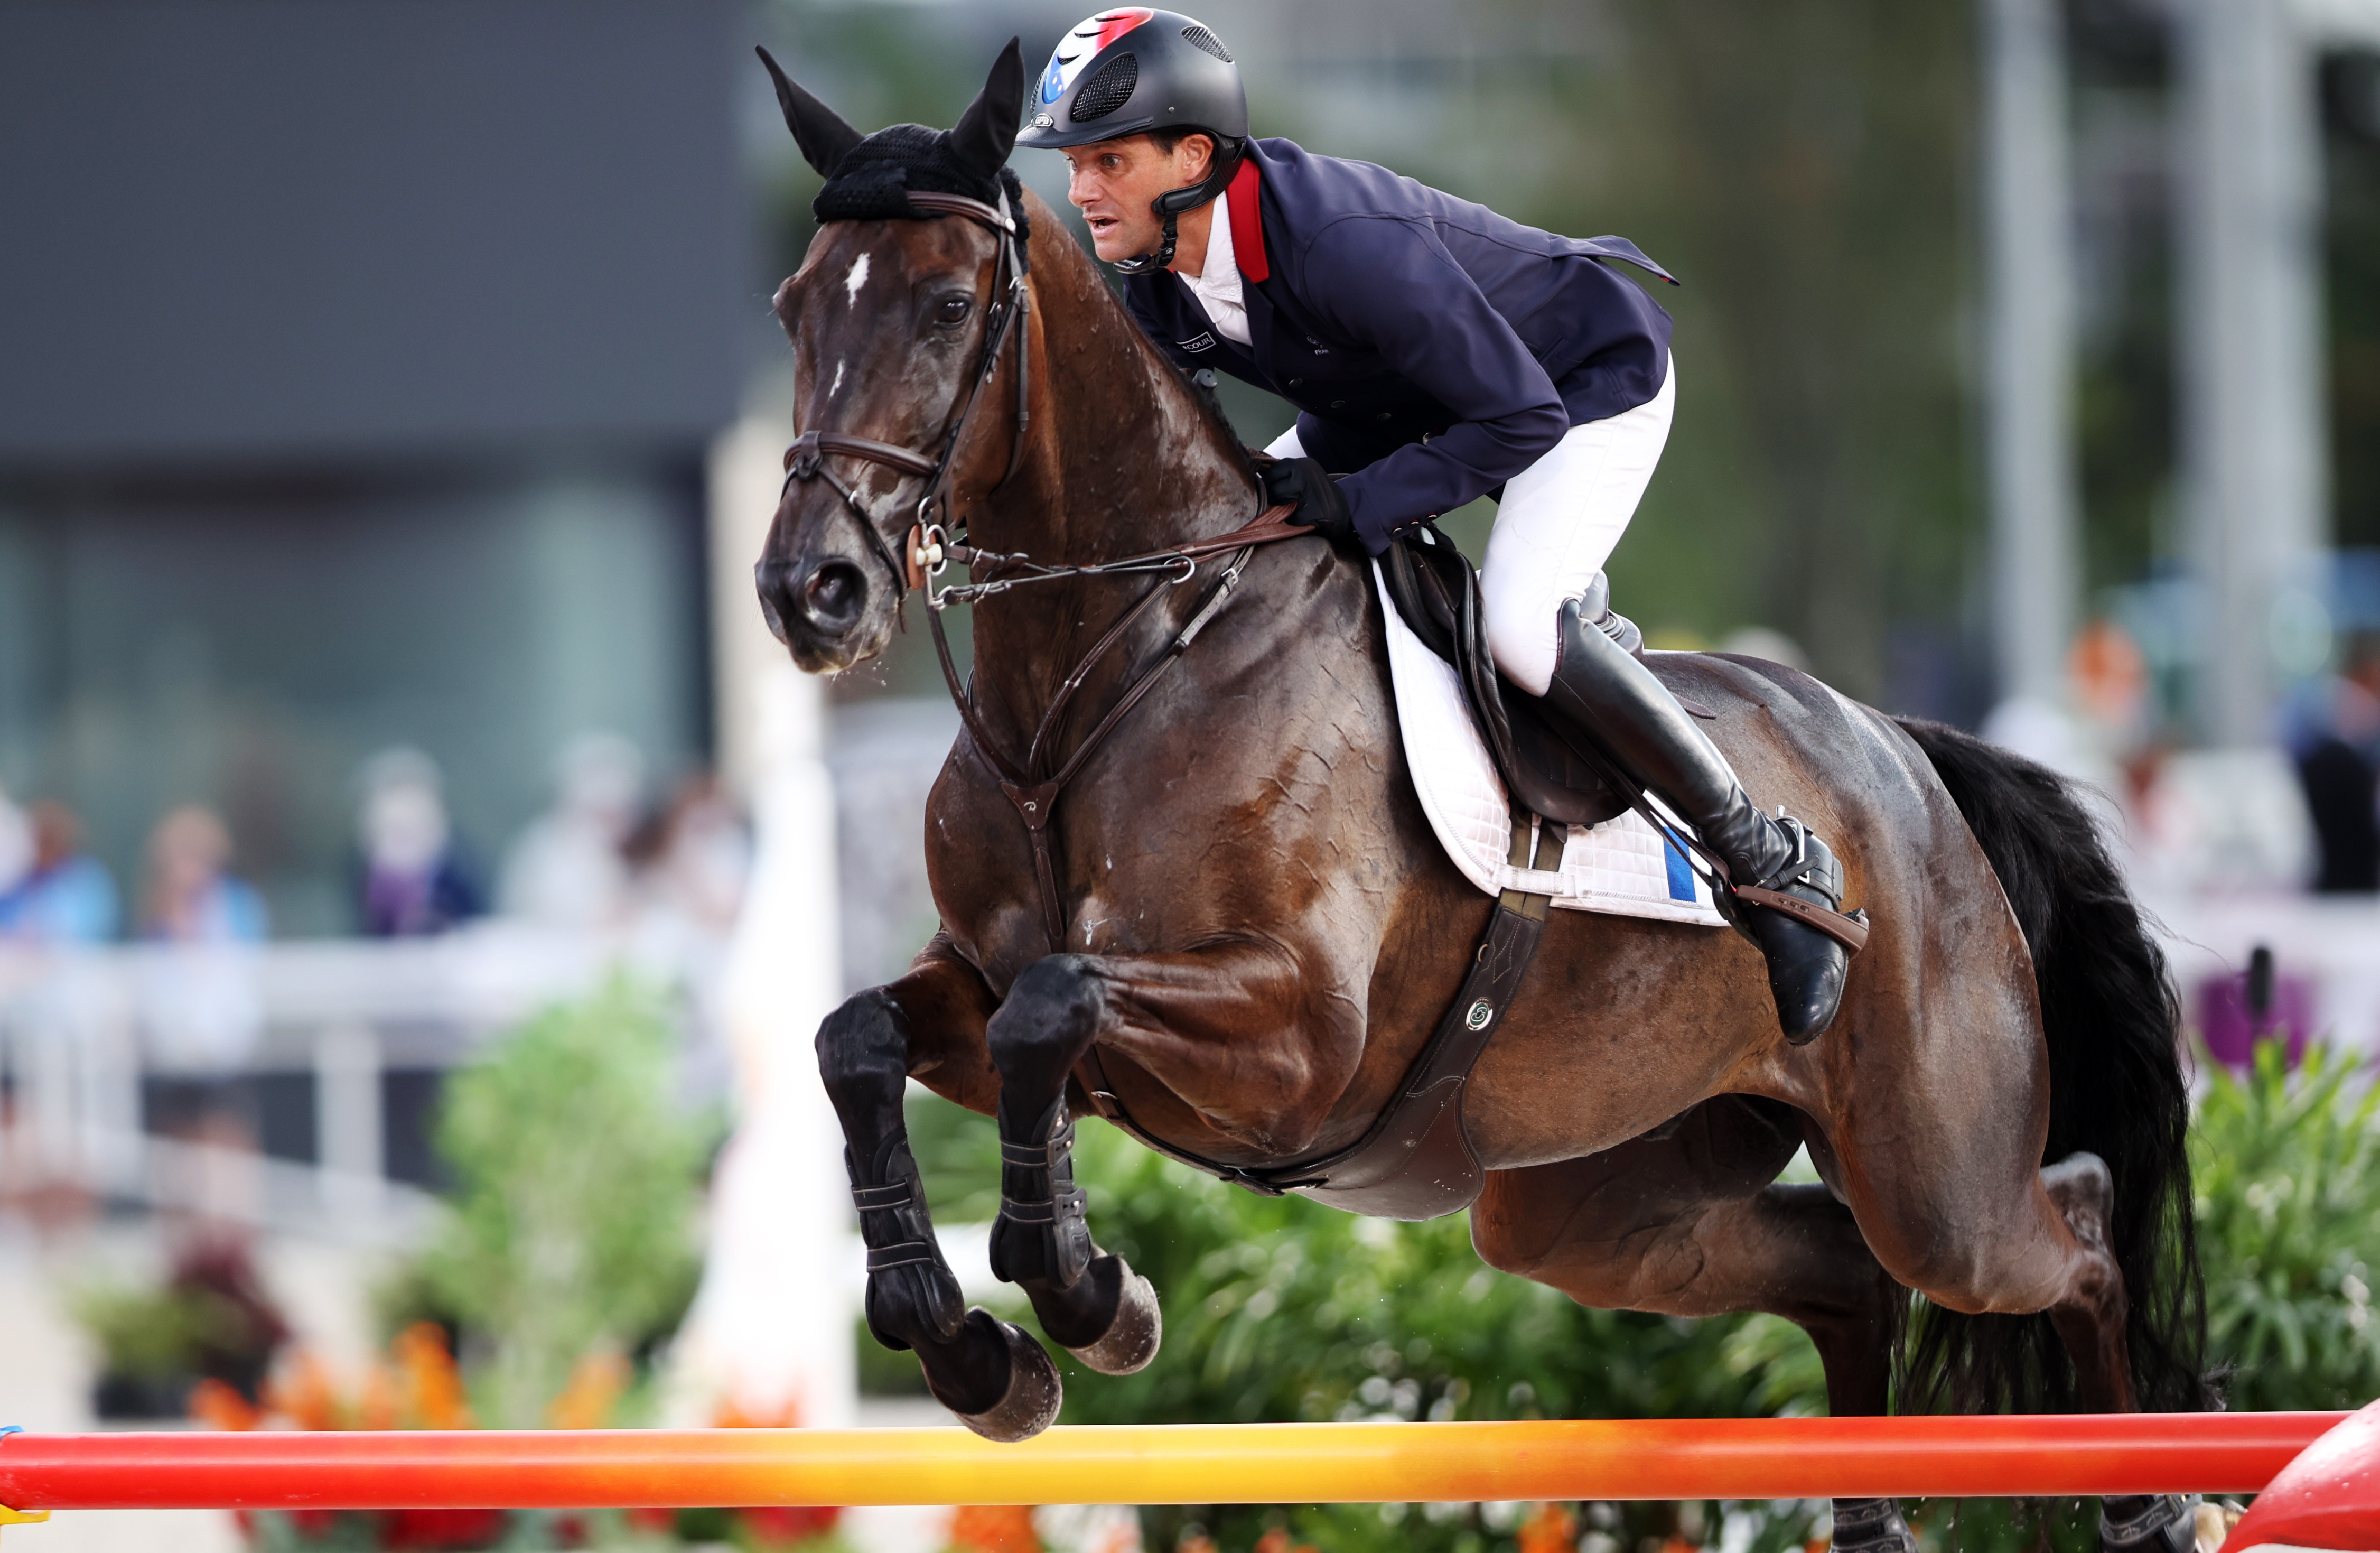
1108,89
1197,37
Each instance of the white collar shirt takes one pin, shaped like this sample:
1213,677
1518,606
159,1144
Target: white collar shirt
1217,284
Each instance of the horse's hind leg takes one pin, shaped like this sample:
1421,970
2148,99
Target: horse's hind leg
2091,1326
1090,1301
1689,1222
931,1022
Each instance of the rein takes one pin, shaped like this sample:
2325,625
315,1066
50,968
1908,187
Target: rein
1034,787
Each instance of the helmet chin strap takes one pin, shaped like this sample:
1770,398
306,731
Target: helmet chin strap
1172,206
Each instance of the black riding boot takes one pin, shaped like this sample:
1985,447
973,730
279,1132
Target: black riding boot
1604,693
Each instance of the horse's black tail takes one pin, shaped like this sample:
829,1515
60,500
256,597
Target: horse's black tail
2117,1089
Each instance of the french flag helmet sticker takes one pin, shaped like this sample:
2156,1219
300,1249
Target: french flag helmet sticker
1084,44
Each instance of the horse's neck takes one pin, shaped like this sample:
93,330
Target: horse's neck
1124,461
1128,461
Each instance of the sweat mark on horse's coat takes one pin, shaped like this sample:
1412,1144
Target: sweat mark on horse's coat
857,278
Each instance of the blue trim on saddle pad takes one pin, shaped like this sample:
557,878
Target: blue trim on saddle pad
1682,878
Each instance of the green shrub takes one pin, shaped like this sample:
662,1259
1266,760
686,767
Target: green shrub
576,1174
144,1334
2286,1170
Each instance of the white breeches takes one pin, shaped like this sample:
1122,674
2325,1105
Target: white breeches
1557,525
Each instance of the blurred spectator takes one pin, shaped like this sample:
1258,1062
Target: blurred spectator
2338,764
413,883
15,844
190,897
63,894
566,869
692,858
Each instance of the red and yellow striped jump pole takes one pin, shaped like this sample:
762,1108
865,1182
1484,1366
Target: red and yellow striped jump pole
1259,1464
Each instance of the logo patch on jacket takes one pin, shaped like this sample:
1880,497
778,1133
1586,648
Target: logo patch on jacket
1197,342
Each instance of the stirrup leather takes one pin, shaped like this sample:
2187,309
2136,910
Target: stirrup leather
1811,866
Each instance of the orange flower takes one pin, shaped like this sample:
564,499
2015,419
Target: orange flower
428,1379
377,1407
1276,1540
733,1414
219,1406
593,1390
304,1395
1553,1529
995,1528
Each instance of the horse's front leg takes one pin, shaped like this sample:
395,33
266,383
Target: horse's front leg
930,1023
1090,1301
1232,1030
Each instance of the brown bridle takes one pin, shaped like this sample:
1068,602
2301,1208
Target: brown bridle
806,459
1034,787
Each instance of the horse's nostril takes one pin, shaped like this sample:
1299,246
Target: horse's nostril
833,595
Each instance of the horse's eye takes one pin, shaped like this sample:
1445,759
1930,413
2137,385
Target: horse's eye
954,309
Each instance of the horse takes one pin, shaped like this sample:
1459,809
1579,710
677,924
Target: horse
1234,923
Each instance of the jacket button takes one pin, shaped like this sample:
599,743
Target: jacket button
1338,404
1297,383
1382,416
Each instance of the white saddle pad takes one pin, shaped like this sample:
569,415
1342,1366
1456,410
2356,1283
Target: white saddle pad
1622,867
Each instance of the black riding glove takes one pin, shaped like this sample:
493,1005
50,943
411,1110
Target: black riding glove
1314,495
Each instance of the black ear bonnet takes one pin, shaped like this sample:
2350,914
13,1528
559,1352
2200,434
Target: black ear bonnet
874,179
870,177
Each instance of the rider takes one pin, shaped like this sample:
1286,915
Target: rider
1440,352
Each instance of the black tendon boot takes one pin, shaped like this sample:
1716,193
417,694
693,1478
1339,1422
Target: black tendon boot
2149,1523
1870,1526
1602,692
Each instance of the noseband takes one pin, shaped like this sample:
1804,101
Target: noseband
806,459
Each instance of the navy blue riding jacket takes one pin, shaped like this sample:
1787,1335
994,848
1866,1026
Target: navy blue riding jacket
1430,345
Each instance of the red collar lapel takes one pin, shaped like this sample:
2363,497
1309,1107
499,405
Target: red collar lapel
1247,222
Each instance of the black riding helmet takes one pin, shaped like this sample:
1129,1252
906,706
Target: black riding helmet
1131,70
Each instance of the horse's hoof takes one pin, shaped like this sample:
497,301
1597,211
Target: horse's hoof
1131,1340
1030,1404
2149,1523
1872,1526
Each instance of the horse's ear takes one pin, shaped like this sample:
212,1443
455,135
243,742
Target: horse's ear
986,133
818,130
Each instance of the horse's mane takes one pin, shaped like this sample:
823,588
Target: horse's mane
1051,240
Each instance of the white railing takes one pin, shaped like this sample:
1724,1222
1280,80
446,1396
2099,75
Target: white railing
82,1029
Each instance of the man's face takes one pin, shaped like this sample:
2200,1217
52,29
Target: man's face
1114,182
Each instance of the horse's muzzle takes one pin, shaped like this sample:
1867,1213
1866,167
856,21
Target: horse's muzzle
813,608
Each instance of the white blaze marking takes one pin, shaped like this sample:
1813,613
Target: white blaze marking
837,382
857,278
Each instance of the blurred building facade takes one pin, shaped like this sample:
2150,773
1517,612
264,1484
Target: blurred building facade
362,359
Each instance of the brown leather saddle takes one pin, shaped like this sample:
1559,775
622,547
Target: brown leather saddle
1436,589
